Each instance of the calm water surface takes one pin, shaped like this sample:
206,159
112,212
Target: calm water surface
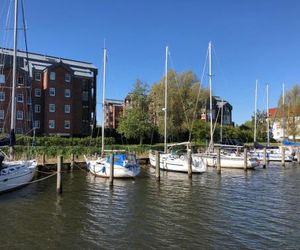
237,210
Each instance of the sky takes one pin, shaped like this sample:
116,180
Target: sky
252,40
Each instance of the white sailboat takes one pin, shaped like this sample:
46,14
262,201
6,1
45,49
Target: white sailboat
173,161
228,160
14,174
272,153
125,165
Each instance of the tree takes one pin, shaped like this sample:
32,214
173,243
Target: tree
135,122
183,91
289,113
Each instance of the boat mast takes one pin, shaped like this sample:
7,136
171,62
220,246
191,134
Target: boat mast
210,96
255,111
283,113
13,91
268,120
103,101
166,98
221,130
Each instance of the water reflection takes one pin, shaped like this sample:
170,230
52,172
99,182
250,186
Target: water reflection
236,209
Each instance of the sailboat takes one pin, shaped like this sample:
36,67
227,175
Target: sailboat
125,165
272,153
231,159
14,174
174,161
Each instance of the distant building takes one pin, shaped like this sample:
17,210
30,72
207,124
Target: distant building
55,96
113,111
218,111
276,124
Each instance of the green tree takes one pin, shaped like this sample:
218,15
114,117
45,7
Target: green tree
135,122
183,91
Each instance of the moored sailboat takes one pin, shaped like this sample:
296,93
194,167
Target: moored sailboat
125,165
14,174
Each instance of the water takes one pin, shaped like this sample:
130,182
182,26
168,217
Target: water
237,210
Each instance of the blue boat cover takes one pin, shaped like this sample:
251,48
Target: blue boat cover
118,159
290,143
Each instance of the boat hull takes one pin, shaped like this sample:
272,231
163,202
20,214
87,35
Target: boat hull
233,162
175,163
102,169
15,174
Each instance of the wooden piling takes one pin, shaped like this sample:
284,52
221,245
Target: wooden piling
283,157
190,172
245,159
298,156
218,160
265,158
59,178
72,162
157,165
44,160
111,170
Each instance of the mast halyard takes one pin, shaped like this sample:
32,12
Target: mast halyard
103,101
210,96
166,99
14,83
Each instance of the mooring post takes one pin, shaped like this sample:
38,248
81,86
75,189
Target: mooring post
245,159
72,162
298,156
157,165
111,170
265,158
44,160
283,157
59,178
219,160
190,161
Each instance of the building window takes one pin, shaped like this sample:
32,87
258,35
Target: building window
51,108
2,78
20,80
19,115
20,98
37,108
52,91
67,93
67,124
2,96
37,124
51,124
1,114
52,76
37,76
37,92
85,95
67,108
67,77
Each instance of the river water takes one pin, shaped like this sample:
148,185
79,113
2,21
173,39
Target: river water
235,210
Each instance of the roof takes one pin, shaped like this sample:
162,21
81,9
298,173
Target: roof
272,112
41,62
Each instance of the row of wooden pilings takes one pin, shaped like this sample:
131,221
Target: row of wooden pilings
218,163
59,188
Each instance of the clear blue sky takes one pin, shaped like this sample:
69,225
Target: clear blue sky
253,39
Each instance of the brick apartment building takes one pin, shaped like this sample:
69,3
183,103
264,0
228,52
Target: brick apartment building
55,96
113,111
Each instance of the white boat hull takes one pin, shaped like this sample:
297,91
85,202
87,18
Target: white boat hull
172,163
234,162
102,169
15,174
272,156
